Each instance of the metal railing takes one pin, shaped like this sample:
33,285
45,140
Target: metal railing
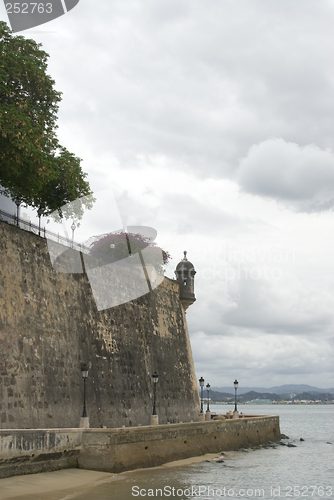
44,233
57,238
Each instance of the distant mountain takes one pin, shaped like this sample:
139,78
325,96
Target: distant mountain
319,396
251,395
220,396
296,388
282,389
226,396
241,390
248,396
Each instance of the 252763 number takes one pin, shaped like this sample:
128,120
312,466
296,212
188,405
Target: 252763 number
306,491
28,8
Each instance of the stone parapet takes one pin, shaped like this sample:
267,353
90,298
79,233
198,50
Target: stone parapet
24,451
28,451
117,450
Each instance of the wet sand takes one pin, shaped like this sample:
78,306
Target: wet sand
69,483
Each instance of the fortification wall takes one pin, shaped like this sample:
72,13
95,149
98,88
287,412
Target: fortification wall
49,326
117,450
30,451
124,449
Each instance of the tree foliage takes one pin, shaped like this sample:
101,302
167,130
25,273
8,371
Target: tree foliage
34,167
112,247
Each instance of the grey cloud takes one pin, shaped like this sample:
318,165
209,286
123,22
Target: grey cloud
198,84
300,177
195,82
198,215
267,305
265,362
184,214
253,307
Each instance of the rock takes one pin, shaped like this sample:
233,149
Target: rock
301,439
283,436
328,442
290,445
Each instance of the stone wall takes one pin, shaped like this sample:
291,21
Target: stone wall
117,450
50,326
124,449
39,450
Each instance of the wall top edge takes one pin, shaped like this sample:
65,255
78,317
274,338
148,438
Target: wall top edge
60,429
143,428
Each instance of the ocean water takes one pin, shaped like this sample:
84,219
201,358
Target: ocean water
305,470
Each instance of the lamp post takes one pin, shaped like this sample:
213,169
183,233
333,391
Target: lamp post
73,227
201,383
154,416
17,203
39,213
84,373
235,394
155,378
208,412
208,399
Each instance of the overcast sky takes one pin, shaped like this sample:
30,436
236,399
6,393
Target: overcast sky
212,121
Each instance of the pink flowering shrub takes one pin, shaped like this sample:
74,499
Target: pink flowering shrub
117,246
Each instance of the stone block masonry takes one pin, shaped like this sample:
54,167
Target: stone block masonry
38,450
125,449
50,326
117,450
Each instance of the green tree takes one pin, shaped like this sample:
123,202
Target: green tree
112,247
34,167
